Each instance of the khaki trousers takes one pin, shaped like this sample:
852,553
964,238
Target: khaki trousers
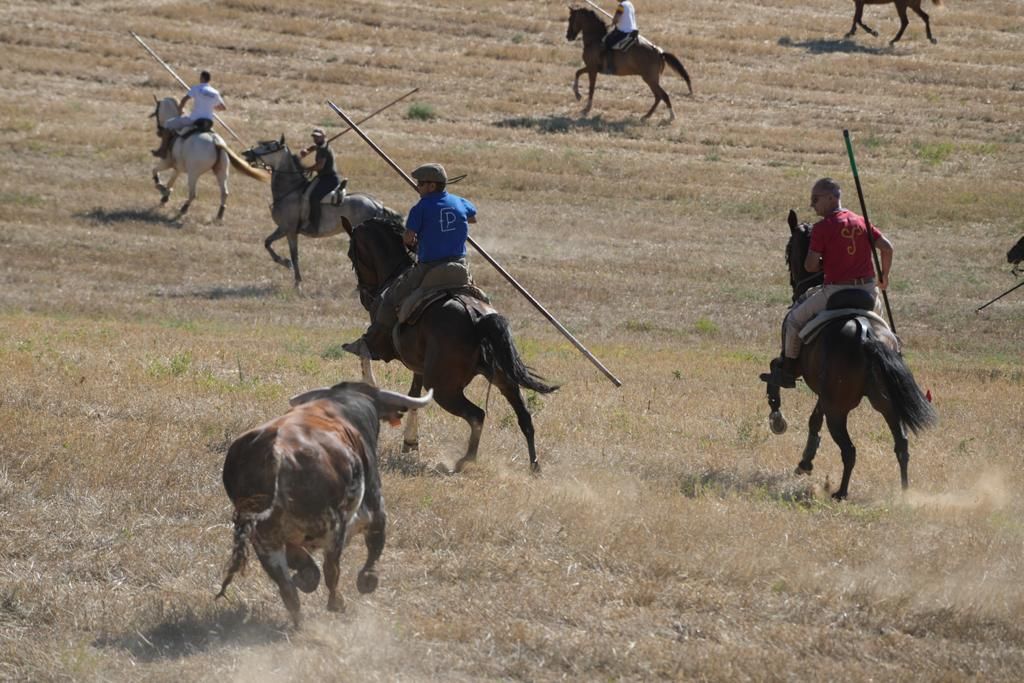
813,302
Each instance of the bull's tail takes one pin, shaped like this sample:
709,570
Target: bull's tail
937,3
912,408
244,525
241,164
500,349
678,67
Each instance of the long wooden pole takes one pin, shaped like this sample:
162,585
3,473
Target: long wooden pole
1019,284
367,118
497,266
871,236
599,9
178,78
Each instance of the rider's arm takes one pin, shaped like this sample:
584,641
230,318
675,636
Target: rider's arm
885,256
409,238
220,107
181,105
812,264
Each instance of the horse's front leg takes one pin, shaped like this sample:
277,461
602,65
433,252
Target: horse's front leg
165,189
576,84
806,463
273,237
411,442
293,249
776,420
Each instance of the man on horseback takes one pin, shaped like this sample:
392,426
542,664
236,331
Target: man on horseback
841,248
438,226
327,180
623,33
205,101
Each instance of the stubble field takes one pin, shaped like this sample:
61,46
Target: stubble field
667,536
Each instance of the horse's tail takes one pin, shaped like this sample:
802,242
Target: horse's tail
241,164
674,62
496,340
937,3
912,408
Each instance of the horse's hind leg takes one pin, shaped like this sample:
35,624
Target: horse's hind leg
806,464
776,420
592,75
193,179
901,9
456,403
899,435
659,95
510,390
271,238
927,24
222,182
165,189
840,434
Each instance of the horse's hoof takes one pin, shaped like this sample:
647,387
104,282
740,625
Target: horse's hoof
220,214
777,422
802,470
934,41
165,199
839,496
183,210
287,263
366,582
335,603
410,446
535,467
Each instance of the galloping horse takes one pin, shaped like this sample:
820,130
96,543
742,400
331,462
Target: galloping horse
287,187
1016,255
642,59
195,155
901,9
848,360
453,340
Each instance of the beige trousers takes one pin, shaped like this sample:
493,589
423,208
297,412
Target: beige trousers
809,305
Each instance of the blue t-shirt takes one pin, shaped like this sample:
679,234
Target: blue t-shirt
440,221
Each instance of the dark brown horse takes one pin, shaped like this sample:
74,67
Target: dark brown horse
642,59
452,341
847,361
901,9
1016,255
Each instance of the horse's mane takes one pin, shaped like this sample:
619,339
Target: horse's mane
377,244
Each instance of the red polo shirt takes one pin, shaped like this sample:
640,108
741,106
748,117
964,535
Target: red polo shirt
842,240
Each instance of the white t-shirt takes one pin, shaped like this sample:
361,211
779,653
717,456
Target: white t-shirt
204,98
627,20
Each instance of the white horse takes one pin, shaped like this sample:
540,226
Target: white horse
289,189
195,155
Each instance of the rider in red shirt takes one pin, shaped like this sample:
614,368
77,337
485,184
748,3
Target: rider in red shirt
840,247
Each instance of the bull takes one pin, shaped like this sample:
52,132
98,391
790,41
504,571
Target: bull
309,480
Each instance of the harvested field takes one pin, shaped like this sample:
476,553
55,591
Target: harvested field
667,537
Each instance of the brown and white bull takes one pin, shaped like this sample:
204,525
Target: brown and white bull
309,480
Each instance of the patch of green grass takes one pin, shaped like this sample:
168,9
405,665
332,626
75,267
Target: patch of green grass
705,326
420,112
18,199
175,366
933,152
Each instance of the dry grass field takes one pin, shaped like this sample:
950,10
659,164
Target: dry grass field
667,537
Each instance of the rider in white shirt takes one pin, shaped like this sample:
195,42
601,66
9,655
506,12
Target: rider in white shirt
624,23
205,101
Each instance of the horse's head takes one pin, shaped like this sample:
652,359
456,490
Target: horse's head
583,19
166,109
268,153
378,255
796,253
1016,255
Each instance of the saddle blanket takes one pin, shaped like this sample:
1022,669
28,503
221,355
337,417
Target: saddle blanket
879,327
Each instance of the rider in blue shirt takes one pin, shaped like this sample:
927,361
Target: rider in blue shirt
438,226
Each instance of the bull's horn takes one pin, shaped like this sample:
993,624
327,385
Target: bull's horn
393,398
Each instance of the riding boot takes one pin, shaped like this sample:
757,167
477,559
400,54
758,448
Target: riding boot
606,67
313,226
783,372
166,141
